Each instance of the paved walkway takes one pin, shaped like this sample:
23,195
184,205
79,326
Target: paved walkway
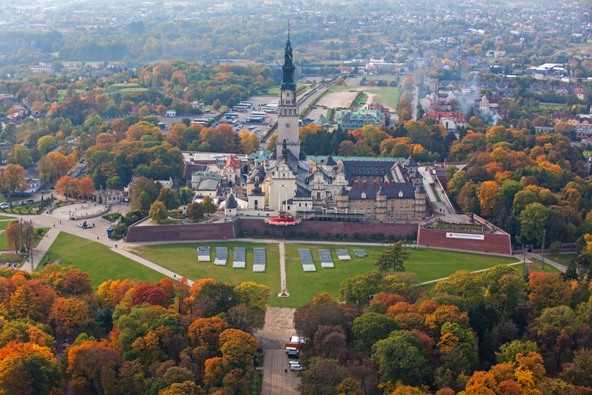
284,289
149,264
41,249
562,268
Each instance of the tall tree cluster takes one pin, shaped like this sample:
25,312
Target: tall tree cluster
490,333
57,335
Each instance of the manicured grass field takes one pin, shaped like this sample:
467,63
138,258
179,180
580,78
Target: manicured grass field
537,266
182,259
563,258
5,247
97,260
4,224
426,263
386,95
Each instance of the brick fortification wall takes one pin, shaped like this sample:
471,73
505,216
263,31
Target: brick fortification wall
186,232
496,243
358,230
256,227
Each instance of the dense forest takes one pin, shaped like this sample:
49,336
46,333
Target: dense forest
58,335
495,333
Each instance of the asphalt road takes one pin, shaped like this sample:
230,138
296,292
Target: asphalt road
278,379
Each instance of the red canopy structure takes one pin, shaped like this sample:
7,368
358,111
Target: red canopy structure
283,220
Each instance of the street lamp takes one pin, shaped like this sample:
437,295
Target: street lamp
523,261
543,249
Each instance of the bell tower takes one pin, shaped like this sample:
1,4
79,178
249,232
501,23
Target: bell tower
288,107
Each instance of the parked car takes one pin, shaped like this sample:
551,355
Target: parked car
86,225
295,365
4,205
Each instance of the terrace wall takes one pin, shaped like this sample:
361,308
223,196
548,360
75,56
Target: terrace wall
310,229
256,227
495,243
185,232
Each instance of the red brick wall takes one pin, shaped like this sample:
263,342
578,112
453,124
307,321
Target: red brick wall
331,229
497,243
184,232
217,231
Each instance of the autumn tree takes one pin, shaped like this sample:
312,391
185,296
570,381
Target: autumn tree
68,280
393,258
14,235
66,186
67,314
322,377
150,294
28,368
85,187
206,332
158,212
195,212
53,166
12,179
249,142
252,294
92,367
209,207
487,193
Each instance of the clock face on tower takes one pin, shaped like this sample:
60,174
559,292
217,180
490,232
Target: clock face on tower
287,125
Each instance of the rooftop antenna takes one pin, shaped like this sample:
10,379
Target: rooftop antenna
288,30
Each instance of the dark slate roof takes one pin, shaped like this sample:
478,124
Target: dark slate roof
367,168
410,162
331,161
256,191
391,191
258,171
231,203
302,193
343,192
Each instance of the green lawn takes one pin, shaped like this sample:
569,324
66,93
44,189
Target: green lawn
428,264
5,247
6,217
4,224
185,263
537,266
388,96
564,259
97,260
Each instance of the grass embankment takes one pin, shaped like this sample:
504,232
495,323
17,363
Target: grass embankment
97,260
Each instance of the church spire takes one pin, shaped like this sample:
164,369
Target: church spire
288,67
